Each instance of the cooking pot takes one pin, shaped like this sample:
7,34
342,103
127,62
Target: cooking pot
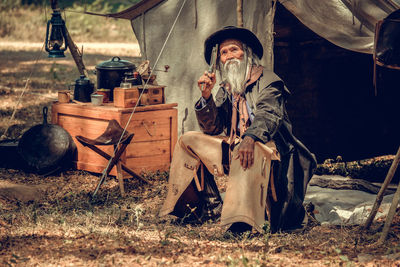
110,73
83,89
47,148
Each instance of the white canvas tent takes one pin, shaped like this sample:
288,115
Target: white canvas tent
349,24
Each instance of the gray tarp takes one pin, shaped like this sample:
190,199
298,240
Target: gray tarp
346,23
344,207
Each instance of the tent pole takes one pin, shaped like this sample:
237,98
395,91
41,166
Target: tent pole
389,218
381,192
143,37
239,12
268,62
76,54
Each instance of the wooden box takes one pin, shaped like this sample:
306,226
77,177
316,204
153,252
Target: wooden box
125,98
155,129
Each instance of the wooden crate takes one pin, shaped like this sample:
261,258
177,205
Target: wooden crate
155,129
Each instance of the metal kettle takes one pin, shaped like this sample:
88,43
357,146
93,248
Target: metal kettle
83,89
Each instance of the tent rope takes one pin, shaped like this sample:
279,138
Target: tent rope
195,14
104,174
87,12
4,136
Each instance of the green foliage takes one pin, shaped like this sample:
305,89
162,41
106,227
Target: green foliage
34,2
102,5
112,5
6,25
9,4
24,20
15,260
231,262
267,232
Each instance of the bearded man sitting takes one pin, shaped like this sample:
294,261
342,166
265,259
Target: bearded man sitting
267,167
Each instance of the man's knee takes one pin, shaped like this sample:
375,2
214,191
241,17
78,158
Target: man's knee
189,137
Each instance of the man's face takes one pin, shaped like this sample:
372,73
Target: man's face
232,65
230,49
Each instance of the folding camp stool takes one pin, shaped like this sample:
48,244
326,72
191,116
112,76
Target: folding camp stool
112,136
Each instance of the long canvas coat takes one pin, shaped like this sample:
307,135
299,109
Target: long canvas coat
266,95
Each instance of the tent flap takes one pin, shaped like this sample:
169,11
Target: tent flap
135,10
349,24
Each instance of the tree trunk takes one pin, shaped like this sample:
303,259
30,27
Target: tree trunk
342,183
372,170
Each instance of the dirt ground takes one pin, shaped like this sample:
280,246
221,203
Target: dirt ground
54,221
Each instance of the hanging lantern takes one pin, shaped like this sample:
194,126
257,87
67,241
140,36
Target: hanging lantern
58,37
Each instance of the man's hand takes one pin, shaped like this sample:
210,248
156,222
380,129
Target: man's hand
246,152
206,83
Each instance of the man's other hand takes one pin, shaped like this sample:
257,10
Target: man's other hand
246,152
206,83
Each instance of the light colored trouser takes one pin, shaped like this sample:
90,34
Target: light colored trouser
246,192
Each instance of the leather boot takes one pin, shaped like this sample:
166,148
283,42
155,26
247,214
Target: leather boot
211,197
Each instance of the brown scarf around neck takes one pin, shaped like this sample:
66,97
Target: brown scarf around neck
239,105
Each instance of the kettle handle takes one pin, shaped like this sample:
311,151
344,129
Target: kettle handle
116,57
69,86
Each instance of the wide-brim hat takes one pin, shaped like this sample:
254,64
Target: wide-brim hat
231,32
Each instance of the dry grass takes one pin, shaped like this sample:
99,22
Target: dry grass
67,226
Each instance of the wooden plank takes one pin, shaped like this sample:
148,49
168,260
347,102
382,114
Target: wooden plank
93,114
149,163
151,125
88,110
87,155
145,161
152,107
150,114
86,127
174,131
148,149
150,130
54,115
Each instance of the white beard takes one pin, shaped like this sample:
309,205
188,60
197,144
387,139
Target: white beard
234,73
